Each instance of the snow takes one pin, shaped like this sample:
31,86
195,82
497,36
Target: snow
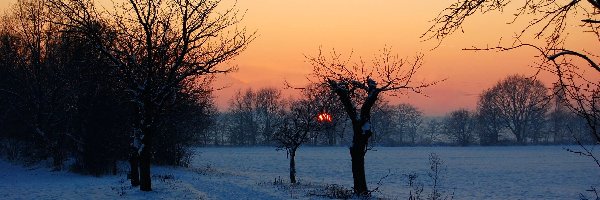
366,127
531,172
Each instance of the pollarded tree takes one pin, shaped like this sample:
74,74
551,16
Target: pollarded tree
519,102
459,124
358,87
156,45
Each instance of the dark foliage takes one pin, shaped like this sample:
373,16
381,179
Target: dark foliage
62,98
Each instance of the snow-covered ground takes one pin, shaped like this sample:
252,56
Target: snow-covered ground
531,172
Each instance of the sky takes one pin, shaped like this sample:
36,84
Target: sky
288,30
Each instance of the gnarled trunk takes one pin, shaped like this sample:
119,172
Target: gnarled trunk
357,153
358,170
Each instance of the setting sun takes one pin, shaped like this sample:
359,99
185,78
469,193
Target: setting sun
324,117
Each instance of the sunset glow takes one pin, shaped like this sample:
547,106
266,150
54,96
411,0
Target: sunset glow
217,99
289,30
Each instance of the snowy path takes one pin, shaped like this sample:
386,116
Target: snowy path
17,182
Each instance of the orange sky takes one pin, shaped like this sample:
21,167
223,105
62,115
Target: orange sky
289,29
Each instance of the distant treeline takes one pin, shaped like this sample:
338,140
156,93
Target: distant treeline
516,111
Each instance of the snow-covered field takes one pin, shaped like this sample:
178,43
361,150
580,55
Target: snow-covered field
531,172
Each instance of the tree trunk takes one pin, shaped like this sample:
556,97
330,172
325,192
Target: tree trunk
292,153
145,180
145,160
357,152
134,174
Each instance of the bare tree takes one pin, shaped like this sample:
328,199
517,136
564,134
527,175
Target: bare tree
157,45
459,124
408,119
327,102
295,129
268,102
35,77
433,129
242,108
488,119
384,124
358,87
547,20
520,103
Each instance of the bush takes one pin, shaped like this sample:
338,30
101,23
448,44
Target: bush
333,191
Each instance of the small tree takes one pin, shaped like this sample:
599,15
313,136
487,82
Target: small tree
295,128
358,87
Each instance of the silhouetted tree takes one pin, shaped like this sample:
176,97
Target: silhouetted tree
268,104
358,87
459,124
384,124
432,130
327,101
157,45
64,98
520,104
243,110
408,119
40,92
295,128
488,119
186,123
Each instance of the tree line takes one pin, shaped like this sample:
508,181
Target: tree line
515,111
